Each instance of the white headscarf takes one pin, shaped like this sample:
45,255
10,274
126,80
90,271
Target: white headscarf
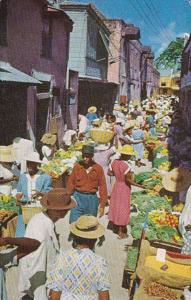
67,139
83,124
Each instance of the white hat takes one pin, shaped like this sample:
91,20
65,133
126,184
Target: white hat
33,157
102,147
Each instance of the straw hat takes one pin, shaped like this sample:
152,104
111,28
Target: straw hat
49,139
33,157
177,180
58,199
127,150
92,109
102,147
87,227
6,154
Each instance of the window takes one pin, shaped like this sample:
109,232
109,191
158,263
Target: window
163,83
46,37
3,22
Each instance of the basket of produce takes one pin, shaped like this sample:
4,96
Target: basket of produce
151,290
8,224
30,209
101,136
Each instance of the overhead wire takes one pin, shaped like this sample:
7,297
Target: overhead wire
151,22
156,16
139,13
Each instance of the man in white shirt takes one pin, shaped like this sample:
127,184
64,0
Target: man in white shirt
41,228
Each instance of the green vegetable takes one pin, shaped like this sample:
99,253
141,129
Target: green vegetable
132,255
159,161
141,177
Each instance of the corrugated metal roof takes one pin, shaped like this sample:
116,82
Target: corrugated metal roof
10,74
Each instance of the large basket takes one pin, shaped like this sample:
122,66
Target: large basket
101,136
8,229
29,212
58,182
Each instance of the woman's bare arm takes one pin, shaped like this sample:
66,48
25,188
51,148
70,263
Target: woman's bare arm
54,295
103,295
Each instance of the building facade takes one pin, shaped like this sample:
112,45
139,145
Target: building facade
89,52
40,50
169,83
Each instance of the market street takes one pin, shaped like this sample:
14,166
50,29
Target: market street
95,150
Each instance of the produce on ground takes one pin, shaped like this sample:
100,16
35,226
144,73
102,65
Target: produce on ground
156,289
163,218
132,256
160,161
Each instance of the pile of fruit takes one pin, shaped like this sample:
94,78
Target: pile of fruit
54,168
178,207
62,154
163,218
8,203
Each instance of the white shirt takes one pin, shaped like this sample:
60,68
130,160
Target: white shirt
5,174
31,182
41,261
185,218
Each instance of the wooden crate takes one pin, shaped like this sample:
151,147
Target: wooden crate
29,212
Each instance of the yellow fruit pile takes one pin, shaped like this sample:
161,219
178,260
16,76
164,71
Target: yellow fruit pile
178,207
5,198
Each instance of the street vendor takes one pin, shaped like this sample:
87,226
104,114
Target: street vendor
33,183
69,138
35,267
91,115
84,182
49,146
82,125
179,180
6,173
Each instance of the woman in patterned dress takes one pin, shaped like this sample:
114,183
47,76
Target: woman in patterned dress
119,210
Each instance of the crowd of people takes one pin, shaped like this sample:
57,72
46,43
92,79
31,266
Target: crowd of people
103,177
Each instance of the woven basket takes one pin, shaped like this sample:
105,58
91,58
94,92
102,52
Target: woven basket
101,136
58,182
8,229
29,212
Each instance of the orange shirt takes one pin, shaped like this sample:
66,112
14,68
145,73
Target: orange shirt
91,182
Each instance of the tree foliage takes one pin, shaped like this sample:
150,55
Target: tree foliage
170,58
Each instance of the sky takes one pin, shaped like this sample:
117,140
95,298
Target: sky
160,21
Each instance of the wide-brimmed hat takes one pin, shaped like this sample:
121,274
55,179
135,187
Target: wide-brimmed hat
7,154
92,109
87,227
49,139
33,157
88,149
58,199
127,150
102,147
177,180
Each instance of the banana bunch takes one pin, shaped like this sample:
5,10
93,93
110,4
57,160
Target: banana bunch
178,207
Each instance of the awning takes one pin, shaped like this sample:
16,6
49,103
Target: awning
42,76
10,74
